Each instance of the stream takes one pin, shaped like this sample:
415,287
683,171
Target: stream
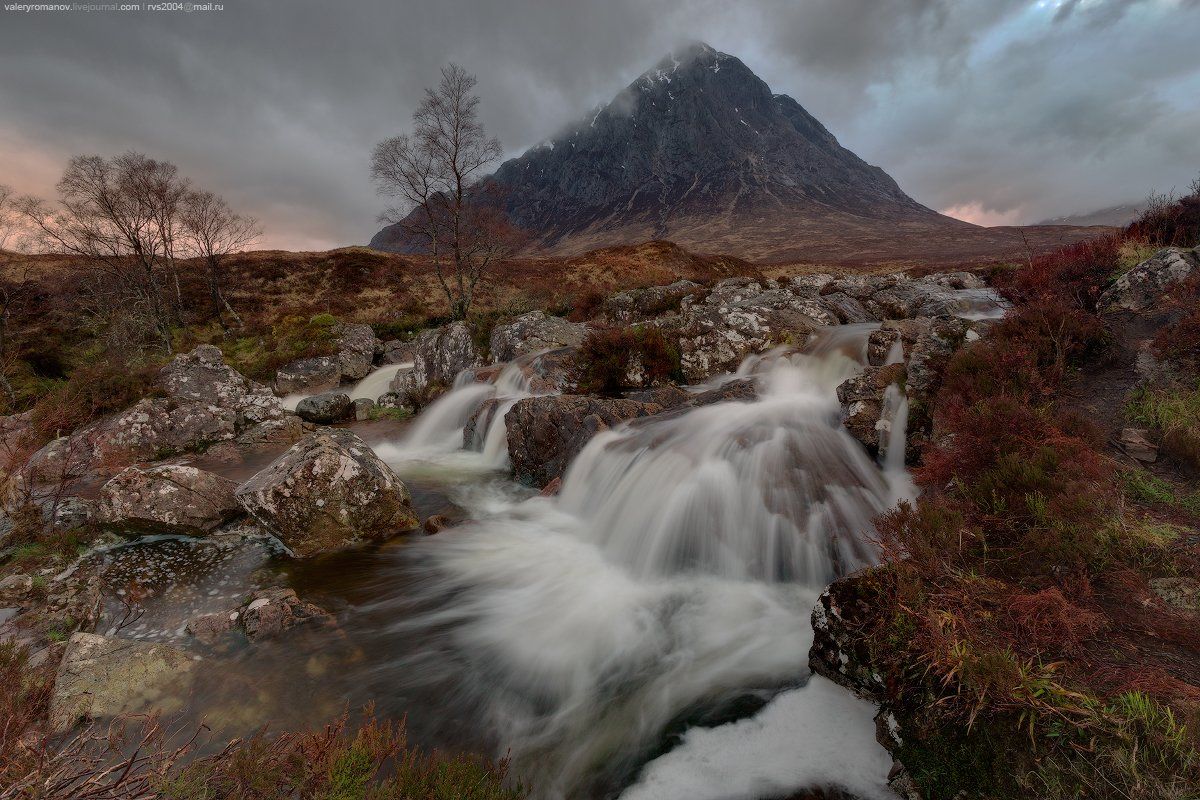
643,634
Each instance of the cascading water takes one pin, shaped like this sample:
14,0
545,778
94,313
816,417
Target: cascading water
669,584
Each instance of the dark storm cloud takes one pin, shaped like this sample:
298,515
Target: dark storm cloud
1021,109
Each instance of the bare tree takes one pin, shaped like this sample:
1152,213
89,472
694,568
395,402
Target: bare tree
213,231
107,214
435,173
8,220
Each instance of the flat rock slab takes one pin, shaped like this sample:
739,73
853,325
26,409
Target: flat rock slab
101,677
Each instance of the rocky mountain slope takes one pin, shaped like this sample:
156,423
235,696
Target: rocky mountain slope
699,140
699,151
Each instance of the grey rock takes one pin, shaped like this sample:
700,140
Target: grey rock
325,408
396,351
545,434
308,376
532,333
166,499
439,355
266,614
356,346
1143,288
363,409
880,344
1136,442
1182,592
327,492
101,677
639,305
862,402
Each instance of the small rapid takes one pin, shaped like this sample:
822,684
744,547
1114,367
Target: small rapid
665,591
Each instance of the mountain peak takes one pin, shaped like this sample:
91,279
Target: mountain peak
697,150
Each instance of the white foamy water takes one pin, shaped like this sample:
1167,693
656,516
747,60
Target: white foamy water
670,583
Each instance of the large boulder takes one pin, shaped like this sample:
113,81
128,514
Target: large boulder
546,433
325,408
202,377
101,677
713,340
532,333
166,499
356,346
308,376
1143,287
438,356
327,492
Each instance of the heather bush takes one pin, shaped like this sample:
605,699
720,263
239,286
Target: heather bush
611,359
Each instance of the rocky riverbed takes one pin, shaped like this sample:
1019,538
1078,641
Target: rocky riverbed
595,554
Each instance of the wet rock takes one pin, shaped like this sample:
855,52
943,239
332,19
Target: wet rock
356,346
880,345
71,513
1180,592
862,402
277,431
436,524
639,305
531,333
1136,443
396,351
438,356
325,408
211,628
839,651
308,376
956,280
546,433
552,488
928,358
392,400
848,309
327,492
362,409
101,677
1143,287
668,396
166,499
478,424
715,340
271,612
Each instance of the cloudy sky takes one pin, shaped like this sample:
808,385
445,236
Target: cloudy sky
997,111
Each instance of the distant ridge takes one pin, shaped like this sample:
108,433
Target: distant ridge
1113,216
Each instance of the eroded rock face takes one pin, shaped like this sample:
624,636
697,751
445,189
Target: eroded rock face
438,356
308,375
546,433
325,408
532,333
1142,288
862,402
166,499
266,614
101,677
928,358
328,492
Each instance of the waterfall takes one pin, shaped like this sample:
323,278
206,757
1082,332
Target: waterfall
670,581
